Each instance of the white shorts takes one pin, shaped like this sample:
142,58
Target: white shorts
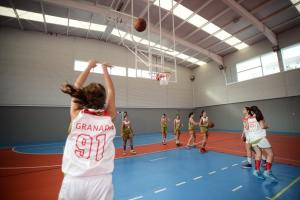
87,188
263,143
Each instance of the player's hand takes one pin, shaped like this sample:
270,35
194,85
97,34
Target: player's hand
92,63
105,65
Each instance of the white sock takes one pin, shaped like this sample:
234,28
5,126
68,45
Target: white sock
249,160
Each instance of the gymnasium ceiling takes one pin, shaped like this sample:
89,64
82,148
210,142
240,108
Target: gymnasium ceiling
219,29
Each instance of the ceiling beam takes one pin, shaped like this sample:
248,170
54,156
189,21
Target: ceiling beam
256,23
43,11
17,15
106,11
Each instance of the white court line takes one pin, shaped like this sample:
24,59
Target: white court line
181,183
31,167
237,188
268,198
158,159
224,168
234,164
244,161
211,173
160,190
196,178
135,198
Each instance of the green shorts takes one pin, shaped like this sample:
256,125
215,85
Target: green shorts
164,129
203,129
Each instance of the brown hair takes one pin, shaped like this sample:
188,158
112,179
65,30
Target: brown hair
91,96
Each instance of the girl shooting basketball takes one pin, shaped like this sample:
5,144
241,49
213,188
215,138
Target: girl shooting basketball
177,127
164,127
257,138
127,134
88,159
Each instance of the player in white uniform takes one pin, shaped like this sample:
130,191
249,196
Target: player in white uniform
257,138
245,138
88,159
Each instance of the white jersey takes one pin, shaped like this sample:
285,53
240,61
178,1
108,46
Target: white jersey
255,131
89,149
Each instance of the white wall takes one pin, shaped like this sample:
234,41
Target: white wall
210,88
34,65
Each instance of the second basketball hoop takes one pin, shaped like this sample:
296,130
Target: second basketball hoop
163,77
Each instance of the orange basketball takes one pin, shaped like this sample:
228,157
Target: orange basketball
140,24
210,125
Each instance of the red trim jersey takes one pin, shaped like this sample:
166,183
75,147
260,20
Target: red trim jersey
255,132
89,149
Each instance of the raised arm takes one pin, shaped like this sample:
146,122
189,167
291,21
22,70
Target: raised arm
75,107
110,92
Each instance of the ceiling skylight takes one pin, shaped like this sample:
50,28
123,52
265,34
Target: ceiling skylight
56,20
241,46
38,17
8,12
97,27
183,13
298,6
222,35
210,28
165,4
197,20
200,63
79,24
192,60
232,41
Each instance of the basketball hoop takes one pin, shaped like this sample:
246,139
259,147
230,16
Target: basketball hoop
163,77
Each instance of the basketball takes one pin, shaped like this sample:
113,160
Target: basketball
140,24
210,125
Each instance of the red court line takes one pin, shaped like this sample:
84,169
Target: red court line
44,183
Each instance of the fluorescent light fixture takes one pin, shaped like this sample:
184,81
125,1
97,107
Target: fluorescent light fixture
241,46
232,41
222,35
165,4
197,20
56,20
182,12
7,12
200,62
97,27
210,28
32,16
38,17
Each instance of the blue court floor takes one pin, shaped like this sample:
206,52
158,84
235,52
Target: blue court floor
187,175
58,147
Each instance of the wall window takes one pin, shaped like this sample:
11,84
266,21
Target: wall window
115,70
270,64
257,67
291,57
80,65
